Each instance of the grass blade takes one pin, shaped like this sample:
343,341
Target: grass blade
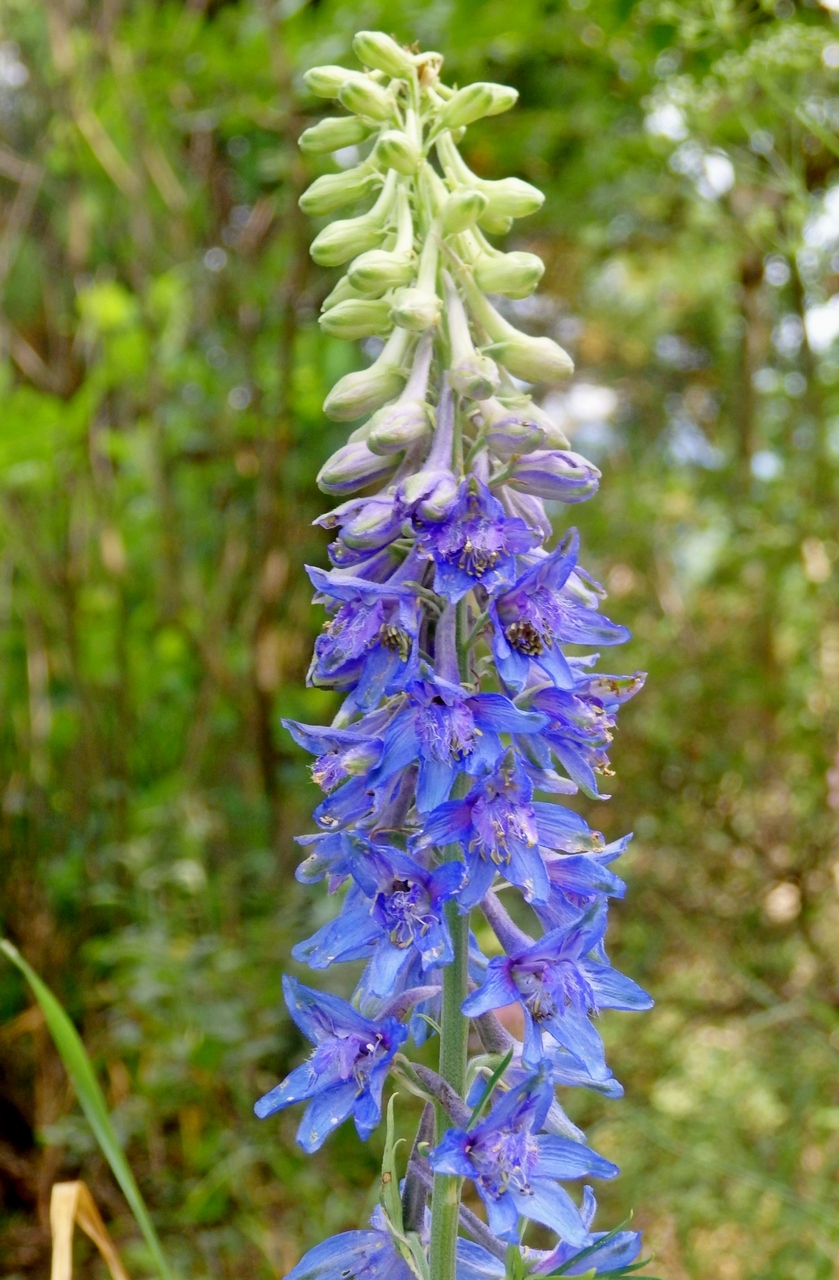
80,1070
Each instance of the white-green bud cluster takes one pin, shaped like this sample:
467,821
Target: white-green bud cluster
419,266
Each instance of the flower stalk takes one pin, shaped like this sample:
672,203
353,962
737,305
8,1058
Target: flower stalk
463,722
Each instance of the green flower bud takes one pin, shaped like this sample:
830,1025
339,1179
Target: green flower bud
378,270
504,96
533,359
553,435
398,426
394,150
494,225
357,318
468,104
364,97
461,211
511,198
514,274
330,135
341,293
375,49
416,309
353,467
334,190
346,239
324,82
368,389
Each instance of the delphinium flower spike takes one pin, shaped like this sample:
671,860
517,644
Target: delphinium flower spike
464,720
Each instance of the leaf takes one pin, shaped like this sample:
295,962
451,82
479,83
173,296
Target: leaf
490,1085
80,1070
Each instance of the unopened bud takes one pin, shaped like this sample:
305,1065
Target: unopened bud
557,475
366,390
416,309
475,376
504,97
342,291
399,426
429,495
514,274
334,190
532,359
512,198
357,318
495,225
375,49
554,436
331,135
351,468
461,211
325,82
509,432
373,526
345,239
378,270
468,104
364,97
394,150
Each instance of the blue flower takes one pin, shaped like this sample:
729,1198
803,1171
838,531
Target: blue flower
475,545
617,1251
345,1074
580,726
542,611
515,1168
370,646
578,881
560,986
354,1255
451,731
394,914
500,828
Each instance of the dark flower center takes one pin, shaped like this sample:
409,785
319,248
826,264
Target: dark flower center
405,912
395,639
524,637
504,1160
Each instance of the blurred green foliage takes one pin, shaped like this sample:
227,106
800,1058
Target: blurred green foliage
162,375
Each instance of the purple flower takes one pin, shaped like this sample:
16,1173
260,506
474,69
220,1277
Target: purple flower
370,646
500,829
393,914
560,986
580,726
451,732
577,882
341,753
345,1074
542,612
515,1168
355,1255
617,1251
475,545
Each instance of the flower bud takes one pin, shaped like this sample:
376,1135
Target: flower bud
474,376
357,318
330,135
416,309
351,468
333,190
366,390
532,359
378,270
399,426
509,432
429,495
511,198
468,104
364,97
554,436
345,239
342,291
494,225
394,150
561,476
504,96
324,82
375,49
514,274
461,211
374,525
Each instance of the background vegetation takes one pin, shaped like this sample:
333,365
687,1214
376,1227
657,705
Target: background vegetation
160,429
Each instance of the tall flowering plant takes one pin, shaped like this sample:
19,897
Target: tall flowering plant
464,719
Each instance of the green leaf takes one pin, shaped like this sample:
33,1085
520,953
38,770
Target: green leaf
80,1070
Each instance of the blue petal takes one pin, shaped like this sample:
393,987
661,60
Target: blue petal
481,876
614,990
502,1215
353,1255
546,1202
324,1114
474,1263
385,967
434,783
527,870
449,1156
494,711
319,1014
498,989
576,1034
558,827
302,1083
561,1158
349,936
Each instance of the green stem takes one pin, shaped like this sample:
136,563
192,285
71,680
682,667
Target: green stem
454,1030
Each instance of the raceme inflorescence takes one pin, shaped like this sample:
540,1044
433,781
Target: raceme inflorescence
468,886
